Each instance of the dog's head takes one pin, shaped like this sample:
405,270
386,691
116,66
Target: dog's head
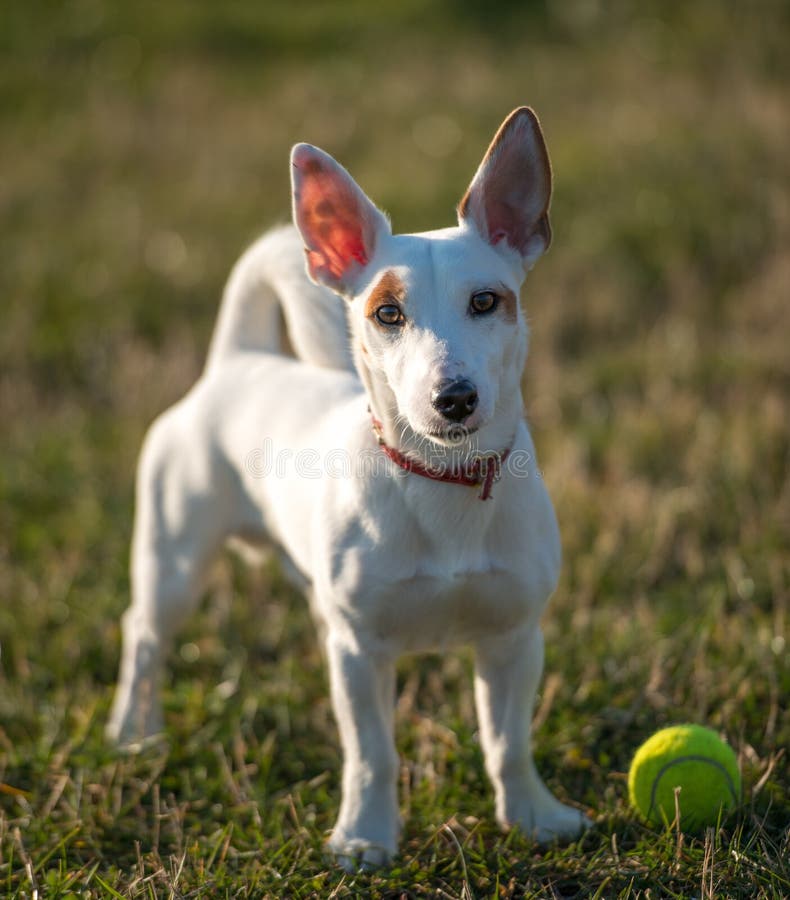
435,317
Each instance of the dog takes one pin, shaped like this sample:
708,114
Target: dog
388,458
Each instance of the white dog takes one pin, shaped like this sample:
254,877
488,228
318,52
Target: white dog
430,525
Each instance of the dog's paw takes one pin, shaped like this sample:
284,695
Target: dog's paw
135,727
128,746
563,824
549,821
359,855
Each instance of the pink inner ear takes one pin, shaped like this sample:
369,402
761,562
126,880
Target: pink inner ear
331,221
505,223
511,192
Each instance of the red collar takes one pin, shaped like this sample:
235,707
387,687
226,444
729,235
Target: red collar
483,471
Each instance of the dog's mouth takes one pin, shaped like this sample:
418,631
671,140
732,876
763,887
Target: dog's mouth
452,435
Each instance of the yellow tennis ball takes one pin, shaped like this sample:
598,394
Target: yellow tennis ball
694,759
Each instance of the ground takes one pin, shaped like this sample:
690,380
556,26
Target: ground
142,146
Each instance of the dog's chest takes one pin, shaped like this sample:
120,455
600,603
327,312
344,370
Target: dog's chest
432,611
444,572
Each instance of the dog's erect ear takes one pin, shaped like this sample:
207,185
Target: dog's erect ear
508,199
339,225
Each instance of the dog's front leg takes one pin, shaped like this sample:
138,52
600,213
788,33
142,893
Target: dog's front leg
506,680
363,696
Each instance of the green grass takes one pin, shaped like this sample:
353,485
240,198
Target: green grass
141,147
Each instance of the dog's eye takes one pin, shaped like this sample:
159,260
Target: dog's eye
483,302
389,314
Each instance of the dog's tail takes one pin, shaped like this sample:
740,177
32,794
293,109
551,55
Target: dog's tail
268,284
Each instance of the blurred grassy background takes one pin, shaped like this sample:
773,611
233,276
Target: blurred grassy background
142,146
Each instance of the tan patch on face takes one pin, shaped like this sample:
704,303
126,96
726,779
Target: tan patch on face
509,302
388,289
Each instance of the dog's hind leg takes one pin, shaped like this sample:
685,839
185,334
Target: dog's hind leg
506,681
177,531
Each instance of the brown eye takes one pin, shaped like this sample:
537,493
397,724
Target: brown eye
389,314
483,302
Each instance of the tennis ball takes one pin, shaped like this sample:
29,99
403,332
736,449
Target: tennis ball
694,759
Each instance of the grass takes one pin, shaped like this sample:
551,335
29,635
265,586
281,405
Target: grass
142,147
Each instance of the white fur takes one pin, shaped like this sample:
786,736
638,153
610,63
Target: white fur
393,562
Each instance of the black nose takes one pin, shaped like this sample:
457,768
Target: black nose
455,400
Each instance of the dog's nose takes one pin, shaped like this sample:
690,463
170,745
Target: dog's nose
455,400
